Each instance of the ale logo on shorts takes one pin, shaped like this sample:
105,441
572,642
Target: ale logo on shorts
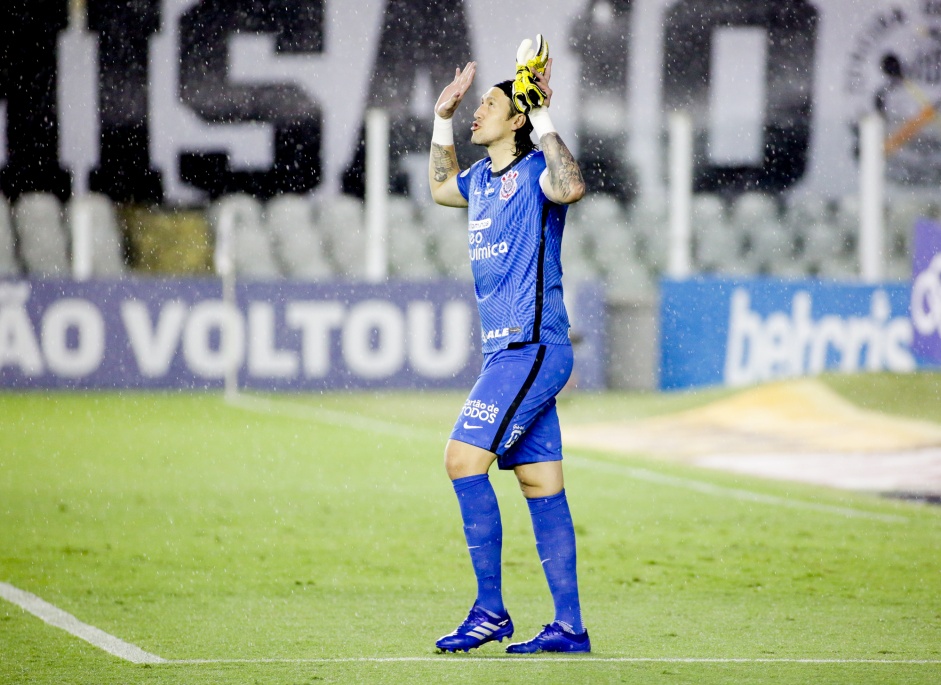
509,186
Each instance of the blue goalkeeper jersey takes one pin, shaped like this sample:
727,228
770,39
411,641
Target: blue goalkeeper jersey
515,235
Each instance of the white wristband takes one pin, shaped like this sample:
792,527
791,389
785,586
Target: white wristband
542,124
443,132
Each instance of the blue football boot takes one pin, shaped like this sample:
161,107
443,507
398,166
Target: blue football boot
553,638
480,627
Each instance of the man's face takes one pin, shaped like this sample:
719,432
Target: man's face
490,120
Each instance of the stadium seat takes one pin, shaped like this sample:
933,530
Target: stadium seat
599,244
298,245
409,254
599,224
577,262
103,255
903,212
41,238
9,267
611,247
825,254
715,245
446,228
755,217
632,281
649,220
342,220
810,221
252,252
597,208
831,249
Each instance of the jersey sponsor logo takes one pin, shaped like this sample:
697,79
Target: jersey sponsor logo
499,333
479,252
489,191
480,225
508,185
469,427
475,409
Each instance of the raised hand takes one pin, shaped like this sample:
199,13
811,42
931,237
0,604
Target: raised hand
454,92
541,79
531,60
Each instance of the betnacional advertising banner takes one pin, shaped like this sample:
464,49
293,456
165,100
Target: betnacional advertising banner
181,101
183,334
738,332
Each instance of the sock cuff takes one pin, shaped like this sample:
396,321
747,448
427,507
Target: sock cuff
538,505
468,481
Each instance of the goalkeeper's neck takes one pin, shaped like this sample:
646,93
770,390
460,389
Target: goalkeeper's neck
503,153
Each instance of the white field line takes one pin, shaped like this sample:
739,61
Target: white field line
330,417
541,659
128,652
339,418
124,650
730,493
55,616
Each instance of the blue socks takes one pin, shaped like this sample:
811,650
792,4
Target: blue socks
483,531
555,543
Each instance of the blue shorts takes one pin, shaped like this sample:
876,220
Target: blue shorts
511,409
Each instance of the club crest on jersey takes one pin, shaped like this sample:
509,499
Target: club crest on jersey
508,187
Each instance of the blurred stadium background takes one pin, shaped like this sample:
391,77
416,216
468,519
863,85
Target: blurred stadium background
739,139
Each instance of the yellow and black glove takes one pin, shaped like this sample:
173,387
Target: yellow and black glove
529,58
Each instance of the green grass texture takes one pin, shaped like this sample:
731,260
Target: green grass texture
301,539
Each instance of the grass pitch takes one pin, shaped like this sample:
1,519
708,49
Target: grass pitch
315,538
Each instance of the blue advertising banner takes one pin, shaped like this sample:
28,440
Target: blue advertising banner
718,331
278,335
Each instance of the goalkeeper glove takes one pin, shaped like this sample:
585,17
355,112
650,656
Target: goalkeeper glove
526,94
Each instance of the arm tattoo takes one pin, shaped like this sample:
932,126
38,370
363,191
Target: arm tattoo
443,162
564,173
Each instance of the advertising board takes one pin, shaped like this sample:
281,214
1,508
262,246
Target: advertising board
282,335
736,332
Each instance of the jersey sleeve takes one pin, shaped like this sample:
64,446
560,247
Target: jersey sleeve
464,180
541,168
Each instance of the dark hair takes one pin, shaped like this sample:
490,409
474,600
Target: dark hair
524,143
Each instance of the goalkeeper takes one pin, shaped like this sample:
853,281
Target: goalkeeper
516,198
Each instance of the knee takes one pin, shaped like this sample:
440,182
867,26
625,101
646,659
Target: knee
452,462
534,490
461,460
543,479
